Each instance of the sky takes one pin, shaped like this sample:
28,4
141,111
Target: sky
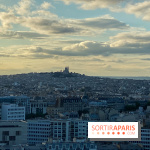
92,37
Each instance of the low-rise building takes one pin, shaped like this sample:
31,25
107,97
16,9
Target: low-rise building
13,132
71,146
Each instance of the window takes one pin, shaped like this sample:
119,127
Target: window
5,133
18,132
12,138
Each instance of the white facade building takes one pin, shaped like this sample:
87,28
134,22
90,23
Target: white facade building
13,112
79,129
60,130
38,131
56,130
44,130
145,138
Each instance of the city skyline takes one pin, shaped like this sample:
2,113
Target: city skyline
98,38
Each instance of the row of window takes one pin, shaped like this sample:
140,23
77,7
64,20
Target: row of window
32,128
145,134
143,130
36,105
33,139
15,113
39,136
38,132
46,125
15,109
20,116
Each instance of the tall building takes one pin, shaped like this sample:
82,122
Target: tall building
12,112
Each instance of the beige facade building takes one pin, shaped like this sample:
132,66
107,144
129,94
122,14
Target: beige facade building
55,110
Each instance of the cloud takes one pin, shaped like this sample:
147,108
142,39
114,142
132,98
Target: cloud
133,39
141,9
28,15
51,24
104,22
44,14
21,35
46,5
94,4
3,7
24,7
127,44
147,59
85,48
38,24
7,19
122,43
47,26
87,26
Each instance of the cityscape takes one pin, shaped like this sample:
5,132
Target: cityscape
51,110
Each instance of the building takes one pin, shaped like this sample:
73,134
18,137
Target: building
107,147
64,130
52,111
145,138
23,147
38,106
73,104
13,132
12,112
102,103
60,130
79,129
43,130
71,146
66,71
38,131
19,100
130,146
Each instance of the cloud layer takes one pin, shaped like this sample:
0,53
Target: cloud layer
94,4
35,33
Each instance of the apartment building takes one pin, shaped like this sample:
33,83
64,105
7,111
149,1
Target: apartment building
12,112
63,130
38,131
73,104
79,129
145,138
38,106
